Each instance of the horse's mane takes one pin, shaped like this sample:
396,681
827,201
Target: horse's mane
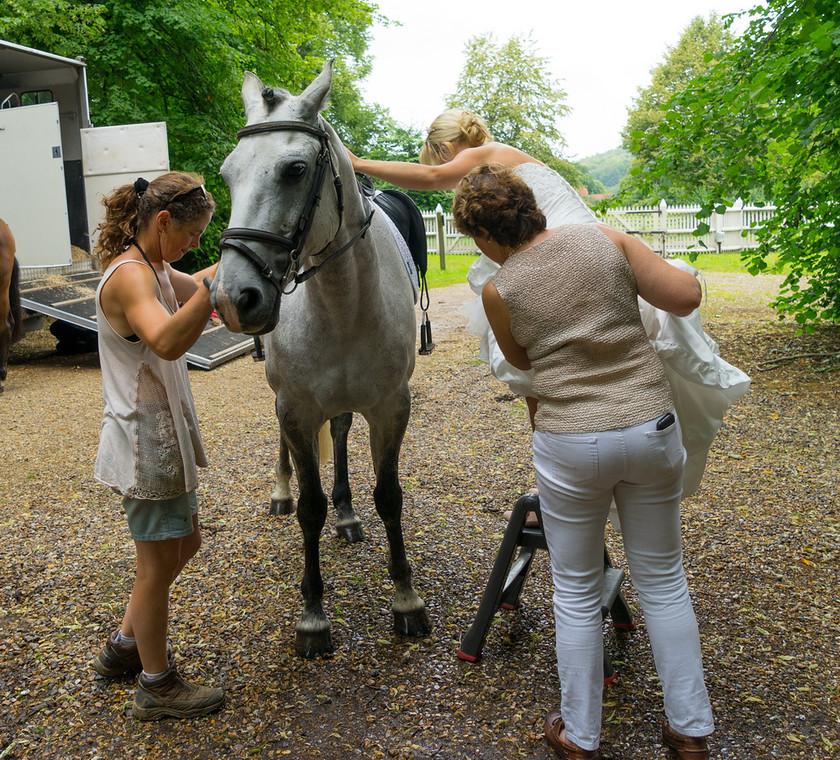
336,143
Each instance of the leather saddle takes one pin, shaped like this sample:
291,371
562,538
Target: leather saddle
408,220
405,215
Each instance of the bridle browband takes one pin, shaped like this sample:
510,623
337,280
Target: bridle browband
232,237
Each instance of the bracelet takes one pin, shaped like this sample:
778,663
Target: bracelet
206,281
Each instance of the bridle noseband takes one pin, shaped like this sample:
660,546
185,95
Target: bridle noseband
232,237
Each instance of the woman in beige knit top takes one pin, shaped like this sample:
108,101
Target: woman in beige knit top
564,304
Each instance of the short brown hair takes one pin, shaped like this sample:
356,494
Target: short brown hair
493,200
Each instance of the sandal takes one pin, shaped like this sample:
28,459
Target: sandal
685,747
566,750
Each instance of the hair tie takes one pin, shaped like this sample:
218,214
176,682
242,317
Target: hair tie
140,186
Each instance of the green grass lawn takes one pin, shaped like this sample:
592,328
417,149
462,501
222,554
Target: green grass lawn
457,266
727,262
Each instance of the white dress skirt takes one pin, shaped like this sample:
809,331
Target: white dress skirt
703,385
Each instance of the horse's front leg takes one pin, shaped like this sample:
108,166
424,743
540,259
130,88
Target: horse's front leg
347,525
312,632
386,435
282,502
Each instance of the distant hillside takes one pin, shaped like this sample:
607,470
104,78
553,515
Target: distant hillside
608,168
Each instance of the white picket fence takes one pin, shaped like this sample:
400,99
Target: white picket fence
666,229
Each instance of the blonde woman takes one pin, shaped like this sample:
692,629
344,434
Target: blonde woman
457,142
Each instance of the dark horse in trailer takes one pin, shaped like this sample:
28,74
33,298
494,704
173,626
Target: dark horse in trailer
11,316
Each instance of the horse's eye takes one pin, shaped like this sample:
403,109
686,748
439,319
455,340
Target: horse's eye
295,170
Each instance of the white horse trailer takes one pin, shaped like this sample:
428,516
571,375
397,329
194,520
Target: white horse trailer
55,168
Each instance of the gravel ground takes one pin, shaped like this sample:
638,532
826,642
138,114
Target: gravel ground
761,549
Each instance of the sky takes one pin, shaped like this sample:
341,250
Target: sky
601,51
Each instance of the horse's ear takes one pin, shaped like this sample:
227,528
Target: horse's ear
317,95
252,97
258,99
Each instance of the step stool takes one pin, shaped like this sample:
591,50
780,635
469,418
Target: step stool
508,576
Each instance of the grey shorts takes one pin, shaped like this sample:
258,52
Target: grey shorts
160,520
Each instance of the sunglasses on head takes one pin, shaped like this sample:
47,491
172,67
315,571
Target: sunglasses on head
185,193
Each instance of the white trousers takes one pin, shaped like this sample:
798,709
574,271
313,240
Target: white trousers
578,476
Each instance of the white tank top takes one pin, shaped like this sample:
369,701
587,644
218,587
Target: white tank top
149,444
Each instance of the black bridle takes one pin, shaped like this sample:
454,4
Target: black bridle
232,237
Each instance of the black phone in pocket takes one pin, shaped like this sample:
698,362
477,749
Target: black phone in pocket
665,421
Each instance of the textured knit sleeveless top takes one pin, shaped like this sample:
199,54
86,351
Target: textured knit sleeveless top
573,307
149,444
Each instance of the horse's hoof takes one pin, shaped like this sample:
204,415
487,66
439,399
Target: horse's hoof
414,623
351,532
281,507
312,644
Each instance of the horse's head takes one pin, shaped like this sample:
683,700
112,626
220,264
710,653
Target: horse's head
276,175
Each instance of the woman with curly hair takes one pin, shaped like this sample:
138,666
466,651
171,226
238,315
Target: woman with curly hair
564,304
149,445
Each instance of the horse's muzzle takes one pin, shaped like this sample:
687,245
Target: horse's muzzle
250,306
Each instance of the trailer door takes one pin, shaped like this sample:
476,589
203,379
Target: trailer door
114,156
33,199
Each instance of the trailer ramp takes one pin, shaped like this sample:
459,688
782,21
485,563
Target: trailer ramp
71,298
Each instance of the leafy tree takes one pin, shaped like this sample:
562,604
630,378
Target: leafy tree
382,138
285,42
608,168
594,186
510,86
701,44
52,22
182,62
779,86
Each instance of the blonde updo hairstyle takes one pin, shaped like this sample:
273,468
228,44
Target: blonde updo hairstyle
131,207
450,128
493,201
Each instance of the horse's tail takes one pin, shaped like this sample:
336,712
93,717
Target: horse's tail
325,444
15,311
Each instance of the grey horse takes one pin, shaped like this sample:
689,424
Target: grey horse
307,263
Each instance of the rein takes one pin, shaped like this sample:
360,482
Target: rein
232,237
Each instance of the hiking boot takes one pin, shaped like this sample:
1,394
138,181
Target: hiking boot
117,659
172,696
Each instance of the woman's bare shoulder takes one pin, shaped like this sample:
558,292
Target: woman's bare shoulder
506,154
127,277
469,158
